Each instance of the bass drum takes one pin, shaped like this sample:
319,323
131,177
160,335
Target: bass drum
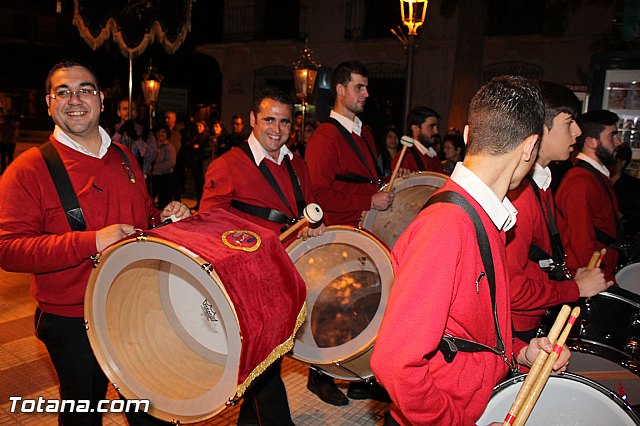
411,195
567,399
629,277
178,316
348,274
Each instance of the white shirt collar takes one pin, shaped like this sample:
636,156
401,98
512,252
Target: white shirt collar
65,139
541,176
424,150
259,153
502,213
353,126
598,166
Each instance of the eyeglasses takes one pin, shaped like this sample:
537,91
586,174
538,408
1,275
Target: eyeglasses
84,94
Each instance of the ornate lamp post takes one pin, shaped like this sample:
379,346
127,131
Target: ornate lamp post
151,90
413,15
305,70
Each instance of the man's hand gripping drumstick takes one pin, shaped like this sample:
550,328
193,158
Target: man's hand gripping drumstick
543,375
537,366
309,226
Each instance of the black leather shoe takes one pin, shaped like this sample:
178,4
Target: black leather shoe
326,389
367,390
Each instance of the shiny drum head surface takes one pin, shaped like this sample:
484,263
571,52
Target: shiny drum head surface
629,277
567,399
411,195
348,275
163,329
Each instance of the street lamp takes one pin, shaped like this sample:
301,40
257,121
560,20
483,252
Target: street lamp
413,15
151,90
305,70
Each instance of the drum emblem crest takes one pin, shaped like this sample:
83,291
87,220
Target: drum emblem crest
241,240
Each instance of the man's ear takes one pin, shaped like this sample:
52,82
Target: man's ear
252,119
340,89
465,134
529,148
591,142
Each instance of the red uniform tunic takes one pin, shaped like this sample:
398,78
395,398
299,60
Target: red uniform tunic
431,164
329,154
584,204
234,176
34,231
531,290
433,295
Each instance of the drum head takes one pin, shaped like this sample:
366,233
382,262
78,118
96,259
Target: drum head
348,275
567,399
629,277
163,329
411,195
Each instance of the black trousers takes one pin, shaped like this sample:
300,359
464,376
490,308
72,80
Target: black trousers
265,402
79,373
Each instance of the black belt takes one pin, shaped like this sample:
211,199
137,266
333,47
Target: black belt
272,215
353,178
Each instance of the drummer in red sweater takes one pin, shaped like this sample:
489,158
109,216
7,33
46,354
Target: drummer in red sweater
445,296
422,125
38,236
538,276
264,182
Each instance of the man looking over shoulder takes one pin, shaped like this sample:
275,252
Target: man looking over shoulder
535,256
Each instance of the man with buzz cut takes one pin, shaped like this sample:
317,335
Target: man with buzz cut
445,339
538,276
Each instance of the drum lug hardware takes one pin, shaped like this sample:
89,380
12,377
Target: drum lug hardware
231,402
95,258
175,422
353,373
142,237
208,268
86,325
633,346
116,387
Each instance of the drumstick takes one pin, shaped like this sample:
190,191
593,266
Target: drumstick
594,258
537,366
542,378
602,253
312,214
407,142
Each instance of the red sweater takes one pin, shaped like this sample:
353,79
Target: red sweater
437,263
583,204
531,290
409,162
34,232
329,154
234,176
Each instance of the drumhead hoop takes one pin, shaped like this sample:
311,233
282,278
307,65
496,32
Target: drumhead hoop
348,274
163,329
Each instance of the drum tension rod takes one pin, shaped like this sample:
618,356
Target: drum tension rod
208,268
95,258
339,365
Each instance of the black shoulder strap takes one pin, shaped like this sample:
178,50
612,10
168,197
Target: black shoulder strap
450,345
125,159
264,169
352,143
416,156
65,190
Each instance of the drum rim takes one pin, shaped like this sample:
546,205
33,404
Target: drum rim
369,216
114,371
366,347
611,395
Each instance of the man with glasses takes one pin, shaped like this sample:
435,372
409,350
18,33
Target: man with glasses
40,235
588,215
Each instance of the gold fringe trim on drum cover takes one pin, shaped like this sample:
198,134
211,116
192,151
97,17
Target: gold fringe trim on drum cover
275,354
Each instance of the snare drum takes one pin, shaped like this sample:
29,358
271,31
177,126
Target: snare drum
567,399
608,326
188,315
629,277
348,274
411,195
